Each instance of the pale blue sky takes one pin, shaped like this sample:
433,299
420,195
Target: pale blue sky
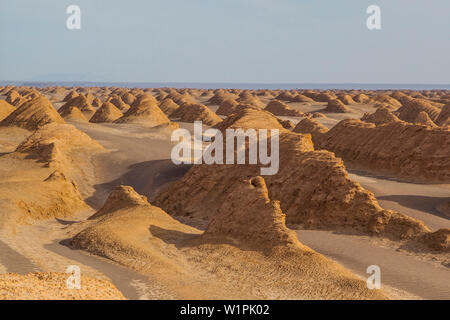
262,41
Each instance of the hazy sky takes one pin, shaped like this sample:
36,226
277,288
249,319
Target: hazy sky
263,41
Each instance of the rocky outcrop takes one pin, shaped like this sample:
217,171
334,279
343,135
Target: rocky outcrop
250,118
381,116
33,115
313,188
5,109
120,198
146,112
108,112
190,112
81,103
398,149
411,109
443,119
311,126
336,106
279,108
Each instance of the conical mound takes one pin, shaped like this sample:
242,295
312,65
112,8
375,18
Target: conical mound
279,108
72,94
302,98
361,98
387,100
180,98
121,197
220,96
382,116
249,99
81,103
190,112
119,103
145,111
142,97
128,98
108,112
324,97
72,113
5,109
318,115
228,106
54,144
90,97
308,125
33,115
13,97
412,108
346,99
398,95
285,96
336,106
40,198
423,119
287,124
247,215
168,106
250,118
97,103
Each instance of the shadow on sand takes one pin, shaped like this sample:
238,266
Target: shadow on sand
147,178
416,202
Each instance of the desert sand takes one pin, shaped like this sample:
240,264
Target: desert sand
86,179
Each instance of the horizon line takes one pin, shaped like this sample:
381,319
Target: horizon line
231,85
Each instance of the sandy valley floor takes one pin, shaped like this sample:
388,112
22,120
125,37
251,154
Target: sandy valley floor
139,157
